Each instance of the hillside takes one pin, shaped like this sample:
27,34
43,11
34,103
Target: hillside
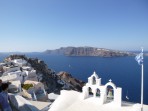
52,81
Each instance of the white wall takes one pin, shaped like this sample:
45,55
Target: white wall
11,69
102,99
20,62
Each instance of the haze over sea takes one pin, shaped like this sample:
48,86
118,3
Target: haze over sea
124,71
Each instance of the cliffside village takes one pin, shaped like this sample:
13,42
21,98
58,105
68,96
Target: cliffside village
25,85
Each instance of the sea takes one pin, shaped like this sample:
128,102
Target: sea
123,71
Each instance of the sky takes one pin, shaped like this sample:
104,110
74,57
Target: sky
38,25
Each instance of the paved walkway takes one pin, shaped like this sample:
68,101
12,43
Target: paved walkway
42,106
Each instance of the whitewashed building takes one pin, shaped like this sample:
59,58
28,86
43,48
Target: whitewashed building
20,62
11,68
7,78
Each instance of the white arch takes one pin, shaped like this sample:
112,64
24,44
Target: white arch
110,84
114,88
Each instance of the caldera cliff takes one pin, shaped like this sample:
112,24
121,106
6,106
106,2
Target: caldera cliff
88,51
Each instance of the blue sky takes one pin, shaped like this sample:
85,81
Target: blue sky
37,25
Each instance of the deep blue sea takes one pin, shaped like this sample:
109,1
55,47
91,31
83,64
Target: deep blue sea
124,71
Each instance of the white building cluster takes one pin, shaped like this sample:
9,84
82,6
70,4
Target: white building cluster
19,72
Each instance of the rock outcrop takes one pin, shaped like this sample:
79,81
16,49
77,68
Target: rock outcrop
69,82
88,51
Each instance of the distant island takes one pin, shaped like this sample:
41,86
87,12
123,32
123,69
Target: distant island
88,51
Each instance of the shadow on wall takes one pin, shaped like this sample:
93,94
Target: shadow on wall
28,107
18,103
25,107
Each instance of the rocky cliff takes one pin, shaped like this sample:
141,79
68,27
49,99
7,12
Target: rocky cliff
69,82
88,51
53,82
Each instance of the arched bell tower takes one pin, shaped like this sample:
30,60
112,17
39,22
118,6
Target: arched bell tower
92,89
102,93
